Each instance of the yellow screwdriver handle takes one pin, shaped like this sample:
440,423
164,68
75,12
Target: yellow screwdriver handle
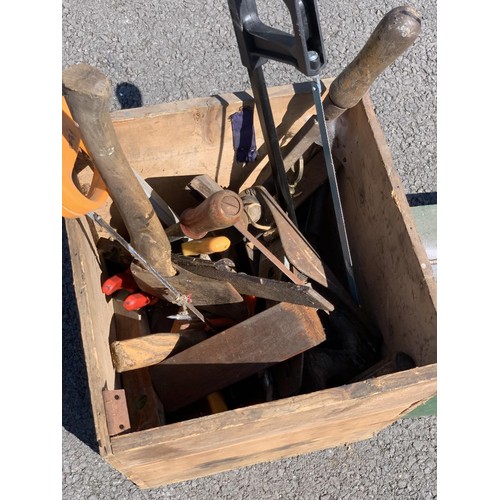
206,245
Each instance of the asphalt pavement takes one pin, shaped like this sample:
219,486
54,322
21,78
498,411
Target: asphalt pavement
153,52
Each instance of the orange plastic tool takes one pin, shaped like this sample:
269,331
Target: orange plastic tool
74,202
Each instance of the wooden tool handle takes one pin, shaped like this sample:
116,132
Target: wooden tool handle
206,246
87,93
132,354
395,33
219,211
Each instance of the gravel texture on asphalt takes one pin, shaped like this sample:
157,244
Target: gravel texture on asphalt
156,52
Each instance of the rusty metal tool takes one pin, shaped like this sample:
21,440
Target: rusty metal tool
206,186
87,93
174,295
357,87
392,36
297,249
305,259
279,291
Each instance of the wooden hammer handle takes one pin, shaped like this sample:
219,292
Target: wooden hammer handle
394,34
87,93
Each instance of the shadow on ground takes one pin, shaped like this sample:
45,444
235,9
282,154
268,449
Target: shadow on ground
77,415
419,199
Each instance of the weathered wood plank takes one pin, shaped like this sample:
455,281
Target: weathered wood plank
95,321
174,142
144,407
140,352
272,336
170,143
194,137
270,431
391,266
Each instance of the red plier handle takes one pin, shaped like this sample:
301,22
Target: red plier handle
125,281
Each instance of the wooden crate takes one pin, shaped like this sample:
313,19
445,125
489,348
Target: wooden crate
168,144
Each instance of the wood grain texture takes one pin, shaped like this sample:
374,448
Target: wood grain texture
392,272
144,407
95,321
271,431
170,143
391,266
392,36
88,92
140,352
272,336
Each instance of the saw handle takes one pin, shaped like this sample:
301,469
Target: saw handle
87,93
74,202
394,34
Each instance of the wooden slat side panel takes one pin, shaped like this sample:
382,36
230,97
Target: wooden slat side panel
392,269
276,409
323,435
95,319
194,137
168,144
270,431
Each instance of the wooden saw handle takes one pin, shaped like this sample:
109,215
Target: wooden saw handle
87,93
394,34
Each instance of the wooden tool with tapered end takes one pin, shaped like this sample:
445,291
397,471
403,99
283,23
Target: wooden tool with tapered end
87,93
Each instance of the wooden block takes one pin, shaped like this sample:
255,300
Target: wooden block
272,336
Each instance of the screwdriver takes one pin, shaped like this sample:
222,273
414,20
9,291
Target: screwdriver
206,246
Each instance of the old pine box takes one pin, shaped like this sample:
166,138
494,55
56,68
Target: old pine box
168,144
